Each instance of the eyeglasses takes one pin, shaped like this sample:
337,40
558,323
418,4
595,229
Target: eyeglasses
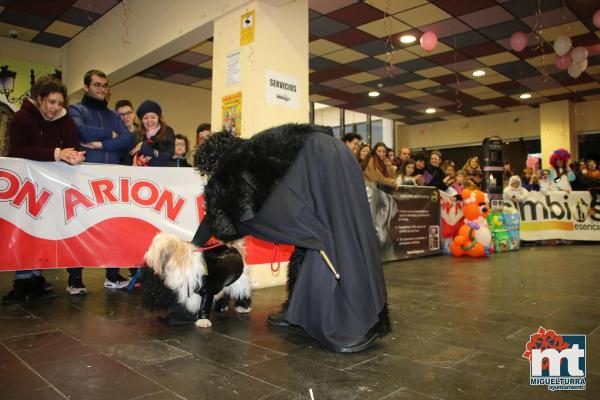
180,144
125,114
98,85
434,159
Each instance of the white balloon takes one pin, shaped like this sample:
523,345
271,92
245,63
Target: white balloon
562,45
579,54
584,65
483,235
575,70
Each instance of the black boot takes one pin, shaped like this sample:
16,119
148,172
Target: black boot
178,315
42,289
278,319
19,293
28,290
362,344
379,330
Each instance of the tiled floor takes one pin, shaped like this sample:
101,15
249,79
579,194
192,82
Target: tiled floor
460,327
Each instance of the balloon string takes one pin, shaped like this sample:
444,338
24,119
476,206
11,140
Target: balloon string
390,50
459,103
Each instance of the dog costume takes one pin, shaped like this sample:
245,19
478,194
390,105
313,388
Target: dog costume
298,185
187,281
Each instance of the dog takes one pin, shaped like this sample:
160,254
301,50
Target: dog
188,281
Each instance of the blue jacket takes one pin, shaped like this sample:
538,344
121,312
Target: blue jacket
96,123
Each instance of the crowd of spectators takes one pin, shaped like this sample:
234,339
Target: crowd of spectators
46,129
380,165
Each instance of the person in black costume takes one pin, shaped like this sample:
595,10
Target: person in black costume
298,185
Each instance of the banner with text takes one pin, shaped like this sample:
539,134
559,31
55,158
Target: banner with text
559,215
407,221
53,215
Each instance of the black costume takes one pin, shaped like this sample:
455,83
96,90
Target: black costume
296,184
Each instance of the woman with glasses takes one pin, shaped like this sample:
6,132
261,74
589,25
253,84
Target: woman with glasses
181,149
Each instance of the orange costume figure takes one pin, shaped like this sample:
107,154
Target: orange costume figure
474,237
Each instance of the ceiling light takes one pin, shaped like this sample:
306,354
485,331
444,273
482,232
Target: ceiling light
373,93
430,110
478,73
407,39
525,96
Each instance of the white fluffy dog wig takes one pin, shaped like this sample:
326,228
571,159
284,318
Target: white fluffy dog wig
184,270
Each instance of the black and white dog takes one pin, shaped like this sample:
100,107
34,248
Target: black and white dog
187,280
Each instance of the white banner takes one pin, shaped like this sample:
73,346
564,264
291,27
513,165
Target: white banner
559,215
56,215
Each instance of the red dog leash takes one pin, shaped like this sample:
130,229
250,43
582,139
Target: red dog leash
199,249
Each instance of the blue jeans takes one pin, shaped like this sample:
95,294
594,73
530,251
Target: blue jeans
77,272
26,274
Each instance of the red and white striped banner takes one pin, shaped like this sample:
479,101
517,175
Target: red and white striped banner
53,215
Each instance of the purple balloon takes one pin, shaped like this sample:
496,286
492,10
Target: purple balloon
563,62
518,41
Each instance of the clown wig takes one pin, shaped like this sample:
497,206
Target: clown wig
562,154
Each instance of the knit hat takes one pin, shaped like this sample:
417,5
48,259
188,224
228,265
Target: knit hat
148,106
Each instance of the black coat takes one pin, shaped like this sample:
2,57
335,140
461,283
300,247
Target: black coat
179,162
437,177
159,148
296,185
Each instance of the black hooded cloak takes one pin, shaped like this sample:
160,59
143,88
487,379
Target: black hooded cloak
297,185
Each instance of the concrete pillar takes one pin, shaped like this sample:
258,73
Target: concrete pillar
270,74
388,133
557,129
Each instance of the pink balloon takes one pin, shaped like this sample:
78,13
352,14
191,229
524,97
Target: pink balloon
596,19
518,41
563,62
429,41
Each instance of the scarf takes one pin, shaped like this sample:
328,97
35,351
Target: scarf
94,103
150,134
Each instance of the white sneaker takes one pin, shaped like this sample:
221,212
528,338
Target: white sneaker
118,283
76,287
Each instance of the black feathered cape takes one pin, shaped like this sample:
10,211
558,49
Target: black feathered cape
296,185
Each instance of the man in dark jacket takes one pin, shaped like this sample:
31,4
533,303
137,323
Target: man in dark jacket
105,137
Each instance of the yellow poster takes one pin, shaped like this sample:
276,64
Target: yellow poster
247,24
231,106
